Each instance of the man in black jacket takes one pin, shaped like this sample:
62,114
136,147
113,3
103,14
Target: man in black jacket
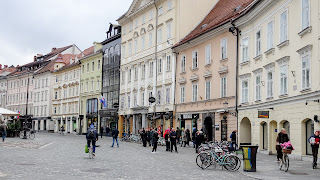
173,139
115,133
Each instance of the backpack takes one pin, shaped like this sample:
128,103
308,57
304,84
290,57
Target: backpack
91,134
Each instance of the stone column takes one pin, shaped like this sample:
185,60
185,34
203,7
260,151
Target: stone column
144,121
134,125
71,126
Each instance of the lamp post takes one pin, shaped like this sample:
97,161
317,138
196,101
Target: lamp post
152,100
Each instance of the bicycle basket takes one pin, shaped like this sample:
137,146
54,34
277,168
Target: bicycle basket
287,151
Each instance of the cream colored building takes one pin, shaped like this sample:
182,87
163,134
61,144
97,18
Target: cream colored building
65,93
149,29
279,73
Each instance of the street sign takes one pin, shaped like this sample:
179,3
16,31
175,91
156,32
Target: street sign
263,114
159,130
152,99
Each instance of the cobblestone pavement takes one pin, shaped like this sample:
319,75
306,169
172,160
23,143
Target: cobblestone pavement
52,156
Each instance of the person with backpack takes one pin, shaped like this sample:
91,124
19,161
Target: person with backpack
115,134
314,140
92,137
155,137
233,137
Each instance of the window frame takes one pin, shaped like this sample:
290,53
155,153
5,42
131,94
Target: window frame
195,59
223,87
208,56
283,39
207,94
183,64
270,31
243,60
283,87
182,94
245,97
195,93
226,48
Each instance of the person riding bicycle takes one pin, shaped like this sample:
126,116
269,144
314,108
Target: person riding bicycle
92,136
314,140
282,138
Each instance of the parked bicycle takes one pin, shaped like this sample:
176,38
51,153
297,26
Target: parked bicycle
29,134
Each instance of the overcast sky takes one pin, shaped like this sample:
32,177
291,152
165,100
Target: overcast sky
30,27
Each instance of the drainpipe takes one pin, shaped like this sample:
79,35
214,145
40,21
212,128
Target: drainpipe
156,58
235,31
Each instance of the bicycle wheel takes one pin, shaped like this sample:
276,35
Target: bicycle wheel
203,159
286,163
231,163
32,135
21,135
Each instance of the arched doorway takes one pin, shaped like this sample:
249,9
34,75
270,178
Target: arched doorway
309,132
208,128
273,133
286,125
264,135
245,131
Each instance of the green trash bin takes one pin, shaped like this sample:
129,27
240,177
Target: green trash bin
249,158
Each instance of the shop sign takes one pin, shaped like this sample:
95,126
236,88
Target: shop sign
263,114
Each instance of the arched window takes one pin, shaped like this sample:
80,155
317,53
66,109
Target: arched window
111,54
117,53
106,55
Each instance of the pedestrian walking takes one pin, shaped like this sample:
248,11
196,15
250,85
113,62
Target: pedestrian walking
3,130
101,130
107,131
173,140
166,138
194,134
144,137
199,139
183,137
233,137
115,134
155,137
151,136
188,138
178,135
282,138
314,140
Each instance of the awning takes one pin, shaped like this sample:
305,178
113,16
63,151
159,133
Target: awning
6,112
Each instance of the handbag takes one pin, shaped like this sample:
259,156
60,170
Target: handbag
86,149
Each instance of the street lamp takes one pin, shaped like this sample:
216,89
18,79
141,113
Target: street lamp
152,100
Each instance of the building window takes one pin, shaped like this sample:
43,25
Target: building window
245,50
168,63
160,11
245,91
143,69
270,35
129,77
306,71
168,96
258,88
159,36
123,51
92,85
136,23
270,84
135,73
88,67
98,84
159,98
150,39
159,66
208,54
151,68
98,64
55,95
135,102
194,59
55,110
223,87
169,4
82,87
169,31
194,92
258,43
284,26
129,105
87,83
143,39
135,46
305,14
82,69
183,64
143,19
208,90
151,14
182,94
130,49
283,79
224,48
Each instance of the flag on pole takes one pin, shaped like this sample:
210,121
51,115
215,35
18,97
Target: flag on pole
103,101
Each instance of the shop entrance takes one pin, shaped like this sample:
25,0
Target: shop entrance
208,128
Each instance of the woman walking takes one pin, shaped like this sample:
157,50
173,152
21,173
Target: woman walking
282,138
155,141
3,130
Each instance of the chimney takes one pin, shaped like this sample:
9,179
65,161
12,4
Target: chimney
34,58
5,66
54,48
0,66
